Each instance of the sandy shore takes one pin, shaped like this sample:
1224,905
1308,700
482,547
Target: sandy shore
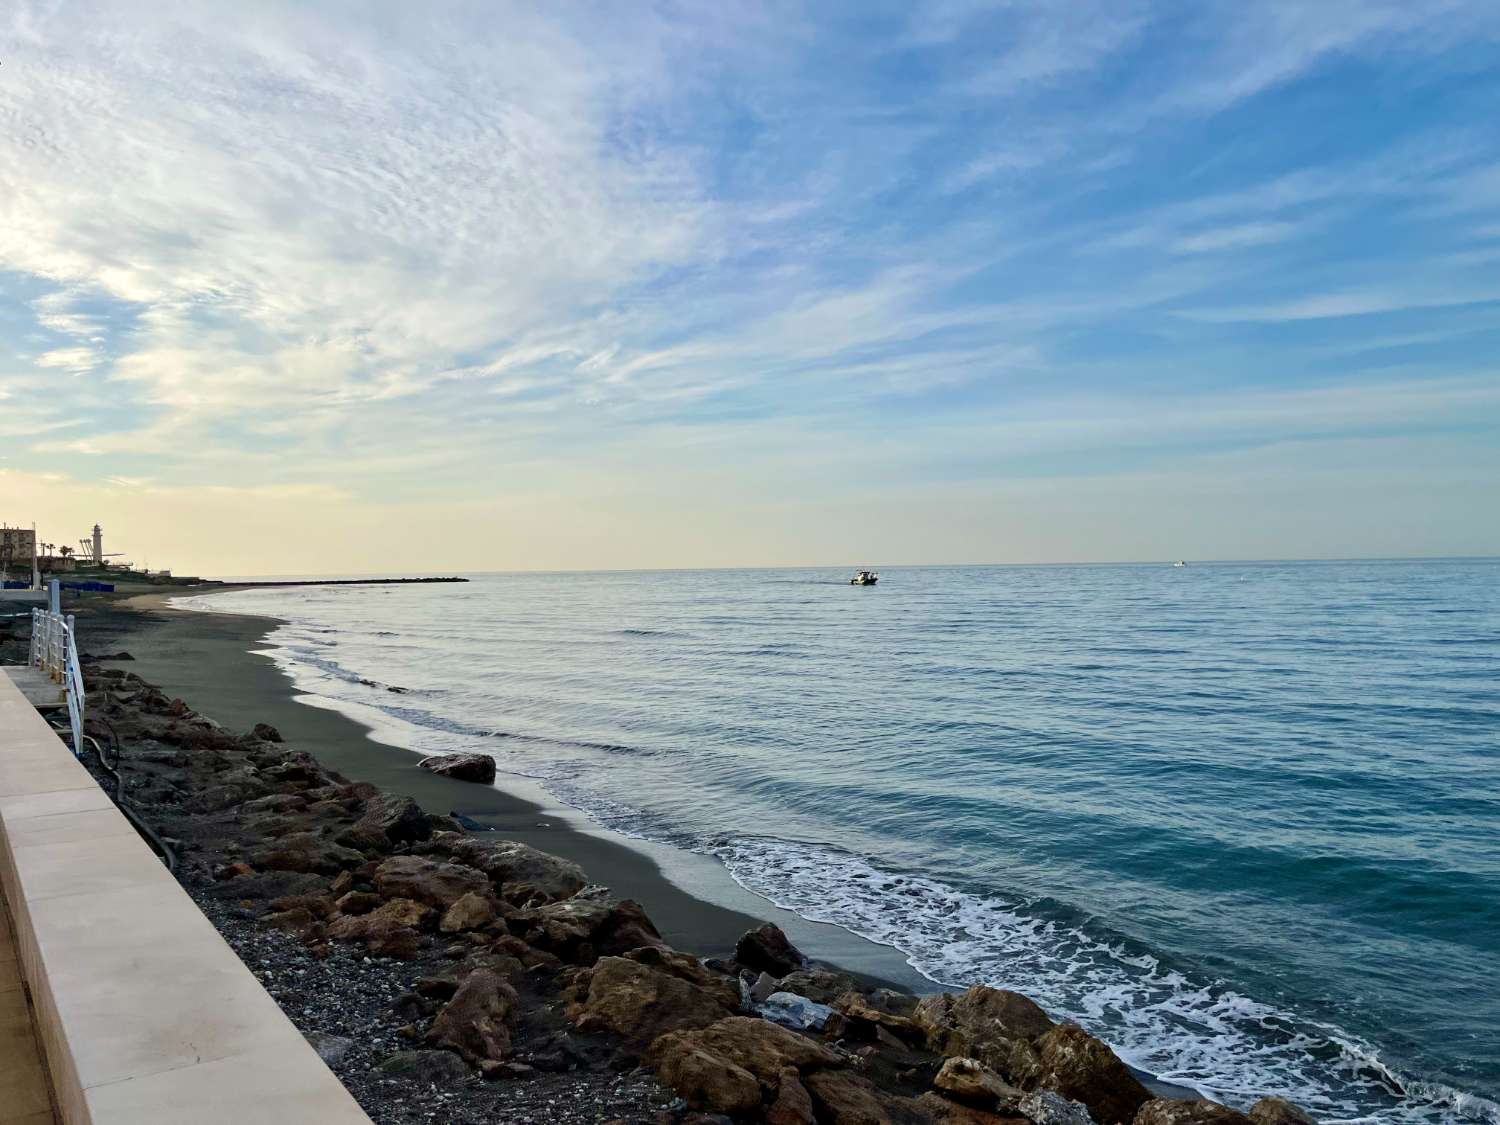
213,661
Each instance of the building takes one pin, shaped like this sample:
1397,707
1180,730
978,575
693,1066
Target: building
17,549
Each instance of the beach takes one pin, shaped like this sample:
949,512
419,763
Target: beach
213,660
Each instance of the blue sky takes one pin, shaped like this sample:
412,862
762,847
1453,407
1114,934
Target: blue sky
669,285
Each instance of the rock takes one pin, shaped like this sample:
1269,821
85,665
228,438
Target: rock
841,1098
233,871
580,931
358,902
866,1019
317,905
640,1003
769,950
274,803
476,1022
462,767
1047,1107
764,986
305,852
1279,1111
331,1048
265,732
390,820
426,880
686,967
1081,1068
938,1110
797,1012
970,1081
389,931
792,1104
705,1080
762,1048
435,1068
521,873
1174,1111
469,912
983,1023
821,985
298,920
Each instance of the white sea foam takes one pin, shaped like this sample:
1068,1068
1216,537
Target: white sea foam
1204,1036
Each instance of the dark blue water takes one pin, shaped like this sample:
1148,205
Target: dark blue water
1243,821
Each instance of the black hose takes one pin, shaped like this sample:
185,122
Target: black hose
160,846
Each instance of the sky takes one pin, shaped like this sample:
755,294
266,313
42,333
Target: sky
350,287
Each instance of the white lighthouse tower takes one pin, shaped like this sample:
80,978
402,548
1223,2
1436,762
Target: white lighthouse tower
98,545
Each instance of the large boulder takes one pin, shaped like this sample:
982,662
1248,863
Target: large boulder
389,820
821,985
724,990
640,1002
1174,1111
305,852
767,949
390,930
522,874
841,1098
1279,1111
938,1110
867,1016
462,767
476,1022
470,912
993,1025
427,880
580,931
791,1105
970,1081
1083,1069
762,1048
704,1080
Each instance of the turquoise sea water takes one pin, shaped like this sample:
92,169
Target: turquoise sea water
1241,820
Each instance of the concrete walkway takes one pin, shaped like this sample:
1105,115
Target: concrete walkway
25,1090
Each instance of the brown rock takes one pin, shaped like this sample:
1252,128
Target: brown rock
581,931
640,1003
983,1023
305,852
970,1081
940,1111
476,1022
390,820
317,905
841,1098
265,732
792,1105
426,880
704,1080
298,920
389,931
462,767
521,873
469,912
684,966
1173,1111
762,1048
358,902
819,985
768,950
1279,1111
1082,1068
865,1017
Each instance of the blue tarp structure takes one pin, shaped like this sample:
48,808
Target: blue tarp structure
91,587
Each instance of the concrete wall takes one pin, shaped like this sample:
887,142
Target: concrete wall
145,1014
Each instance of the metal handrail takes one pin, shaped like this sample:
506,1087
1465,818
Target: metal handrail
54,649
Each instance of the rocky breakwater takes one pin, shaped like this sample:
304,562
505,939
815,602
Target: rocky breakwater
505,969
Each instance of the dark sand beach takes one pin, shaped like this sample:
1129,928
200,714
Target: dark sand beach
213,661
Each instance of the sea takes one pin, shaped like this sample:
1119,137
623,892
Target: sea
1240,820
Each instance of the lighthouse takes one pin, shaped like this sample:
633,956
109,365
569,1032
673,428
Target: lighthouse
98,545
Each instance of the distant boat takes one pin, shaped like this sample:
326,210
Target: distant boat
864,578
1179,562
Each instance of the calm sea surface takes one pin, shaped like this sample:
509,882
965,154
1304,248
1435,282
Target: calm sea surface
1241,820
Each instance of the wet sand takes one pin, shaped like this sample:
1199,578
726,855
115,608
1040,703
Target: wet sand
211,661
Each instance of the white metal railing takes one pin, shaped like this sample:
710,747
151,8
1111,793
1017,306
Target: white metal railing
54,649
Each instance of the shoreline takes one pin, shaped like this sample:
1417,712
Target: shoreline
211,659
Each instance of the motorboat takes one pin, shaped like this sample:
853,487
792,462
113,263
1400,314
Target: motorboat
864,578
1180,562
